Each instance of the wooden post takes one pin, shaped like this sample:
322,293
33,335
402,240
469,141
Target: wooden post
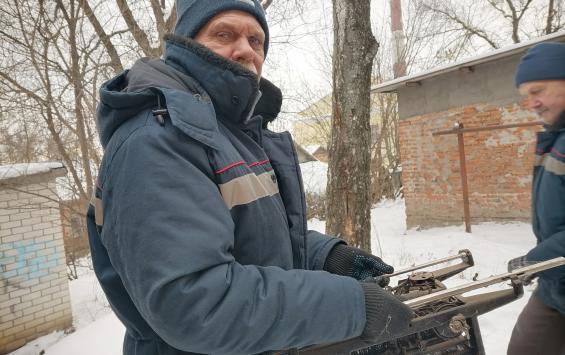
460,130
464,186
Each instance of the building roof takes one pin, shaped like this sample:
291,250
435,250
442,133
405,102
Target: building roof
313,148
522,47
14,171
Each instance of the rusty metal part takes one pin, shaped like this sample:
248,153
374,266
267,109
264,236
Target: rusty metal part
458,324
464,254
446,321
517,275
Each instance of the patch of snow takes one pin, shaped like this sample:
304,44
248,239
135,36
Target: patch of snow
314,176
103,337
492,245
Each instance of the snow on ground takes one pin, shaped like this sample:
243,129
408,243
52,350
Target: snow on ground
492,245
98,332
314,176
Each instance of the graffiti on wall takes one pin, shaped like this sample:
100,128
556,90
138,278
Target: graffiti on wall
25,260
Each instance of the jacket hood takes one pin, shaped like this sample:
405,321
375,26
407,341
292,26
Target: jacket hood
149,84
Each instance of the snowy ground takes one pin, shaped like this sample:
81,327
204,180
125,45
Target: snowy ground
98,332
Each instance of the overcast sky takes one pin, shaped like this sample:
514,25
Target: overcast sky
299,59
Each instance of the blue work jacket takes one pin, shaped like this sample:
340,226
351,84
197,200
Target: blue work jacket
199,237
548,213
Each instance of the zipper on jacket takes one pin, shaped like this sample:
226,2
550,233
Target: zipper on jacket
252,107
160,112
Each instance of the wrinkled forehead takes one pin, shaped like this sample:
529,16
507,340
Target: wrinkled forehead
236,19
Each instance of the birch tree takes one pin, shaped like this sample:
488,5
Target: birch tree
348,189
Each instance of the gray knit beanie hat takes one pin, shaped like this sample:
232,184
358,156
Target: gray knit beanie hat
192,15
544,61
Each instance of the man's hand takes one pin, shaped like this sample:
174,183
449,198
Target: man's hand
353,262
387,317
382,280
520,262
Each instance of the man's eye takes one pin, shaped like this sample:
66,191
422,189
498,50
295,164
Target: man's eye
223,35
255,42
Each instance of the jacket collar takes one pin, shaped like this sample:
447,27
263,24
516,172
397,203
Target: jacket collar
547,138
559,124
234,90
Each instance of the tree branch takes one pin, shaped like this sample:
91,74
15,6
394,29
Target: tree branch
170,22
550,16
159,21
467,27
266,4
115,61
138,34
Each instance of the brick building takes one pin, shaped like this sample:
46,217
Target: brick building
34,293
478,93
73,224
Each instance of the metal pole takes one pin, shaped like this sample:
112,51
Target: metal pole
398,38
463,254
488,128
464,187
458,290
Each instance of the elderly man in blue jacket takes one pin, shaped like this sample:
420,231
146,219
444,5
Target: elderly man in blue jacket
197,226
540,79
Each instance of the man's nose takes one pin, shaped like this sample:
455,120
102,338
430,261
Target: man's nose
242,50
533,103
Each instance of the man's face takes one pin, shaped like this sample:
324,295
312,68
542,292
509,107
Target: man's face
235,35
545,97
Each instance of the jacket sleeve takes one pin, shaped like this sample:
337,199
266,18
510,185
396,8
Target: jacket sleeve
550,248
549,210
169,235
318,247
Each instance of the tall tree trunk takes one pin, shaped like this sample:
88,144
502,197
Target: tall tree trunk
72,17
355,48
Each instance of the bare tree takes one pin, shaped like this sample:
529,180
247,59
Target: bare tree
46,66
52,62
385,158
349,159
54,55
469,24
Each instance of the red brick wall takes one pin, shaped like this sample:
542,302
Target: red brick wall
499,165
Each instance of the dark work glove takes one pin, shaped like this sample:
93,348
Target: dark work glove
387,317
382,280
519,262
353,262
